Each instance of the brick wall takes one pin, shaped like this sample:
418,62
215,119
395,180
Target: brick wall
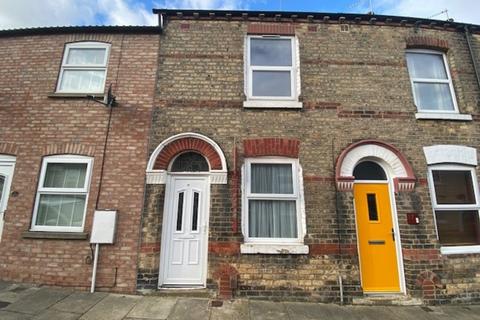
37,126
355,86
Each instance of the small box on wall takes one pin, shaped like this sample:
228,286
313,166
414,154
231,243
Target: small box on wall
412,218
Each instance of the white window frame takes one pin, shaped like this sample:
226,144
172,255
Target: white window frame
297,196
65,191
439,207
95,67
273,101
429,80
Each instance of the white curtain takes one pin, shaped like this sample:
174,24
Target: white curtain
272,218
429,95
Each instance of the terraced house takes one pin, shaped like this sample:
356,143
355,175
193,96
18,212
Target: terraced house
280,155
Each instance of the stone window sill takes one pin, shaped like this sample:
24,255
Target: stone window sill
443,116
254,248
273,104
63,95
460,250
55,235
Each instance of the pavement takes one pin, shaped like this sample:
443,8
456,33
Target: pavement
20,302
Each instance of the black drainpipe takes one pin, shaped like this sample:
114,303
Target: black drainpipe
472,55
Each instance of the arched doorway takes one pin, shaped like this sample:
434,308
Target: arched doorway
374,171
187,164
375,230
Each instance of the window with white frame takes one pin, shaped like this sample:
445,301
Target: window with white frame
271,68
431,81
84,68
62,193
271,203
454,192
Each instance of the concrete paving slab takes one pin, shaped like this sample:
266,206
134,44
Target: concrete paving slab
190,309
457,312
153,308
267,310
417,313
371,313
39,300
231,310
7,315
16,292
56,315
4,285
79,302
113,307
317,311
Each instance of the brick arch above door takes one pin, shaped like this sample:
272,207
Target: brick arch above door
171,147
400,169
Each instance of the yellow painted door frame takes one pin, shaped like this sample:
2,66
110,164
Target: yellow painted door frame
376,238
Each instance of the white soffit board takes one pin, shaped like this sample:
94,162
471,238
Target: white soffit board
450,154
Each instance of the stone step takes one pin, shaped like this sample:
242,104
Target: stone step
387,300
180,292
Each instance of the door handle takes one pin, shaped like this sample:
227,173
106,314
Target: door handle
393,235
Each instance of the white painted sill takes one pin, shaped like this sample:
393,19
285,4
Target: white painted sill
460,250
254,248
272,104
443,116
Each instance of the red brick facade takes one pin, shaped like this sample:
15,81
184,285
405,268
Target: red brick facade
36,123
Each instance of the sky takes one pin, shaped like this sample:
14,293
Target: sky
43,13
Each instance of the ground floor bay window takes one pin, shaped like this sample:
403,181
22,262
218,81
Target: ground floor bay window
272,206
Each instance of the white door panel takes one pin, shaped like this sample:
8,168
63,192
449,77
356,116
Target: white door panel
184,238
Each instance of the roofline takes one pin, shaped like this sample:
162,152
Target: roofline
312,16
81,29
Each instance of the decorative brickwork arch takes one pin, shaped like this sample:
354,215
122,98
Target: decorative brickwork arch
399,168
171,147
423,42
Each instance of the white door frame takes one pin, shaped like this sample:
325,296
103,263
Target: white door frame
398,240
7,163
167,209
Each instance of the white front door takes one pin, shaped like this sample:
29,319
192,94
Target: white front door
183,257
7,165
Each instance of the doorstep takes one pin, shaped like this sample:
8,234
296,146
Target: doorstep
387,300
179,292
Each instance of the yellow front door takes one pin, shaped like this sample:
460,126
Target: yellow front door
378,255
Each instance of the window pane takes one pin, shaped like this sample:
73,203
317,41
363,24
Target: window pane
190,162
458,227
453,187
65,175
196,196
2,185
372,207
86,56
369,170
83,80
270,52
180,212
60,210
433,96
421,65
272,219
272,178
271,84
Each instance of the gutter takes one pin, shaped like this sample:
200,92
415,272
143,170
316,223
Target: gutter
472,55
